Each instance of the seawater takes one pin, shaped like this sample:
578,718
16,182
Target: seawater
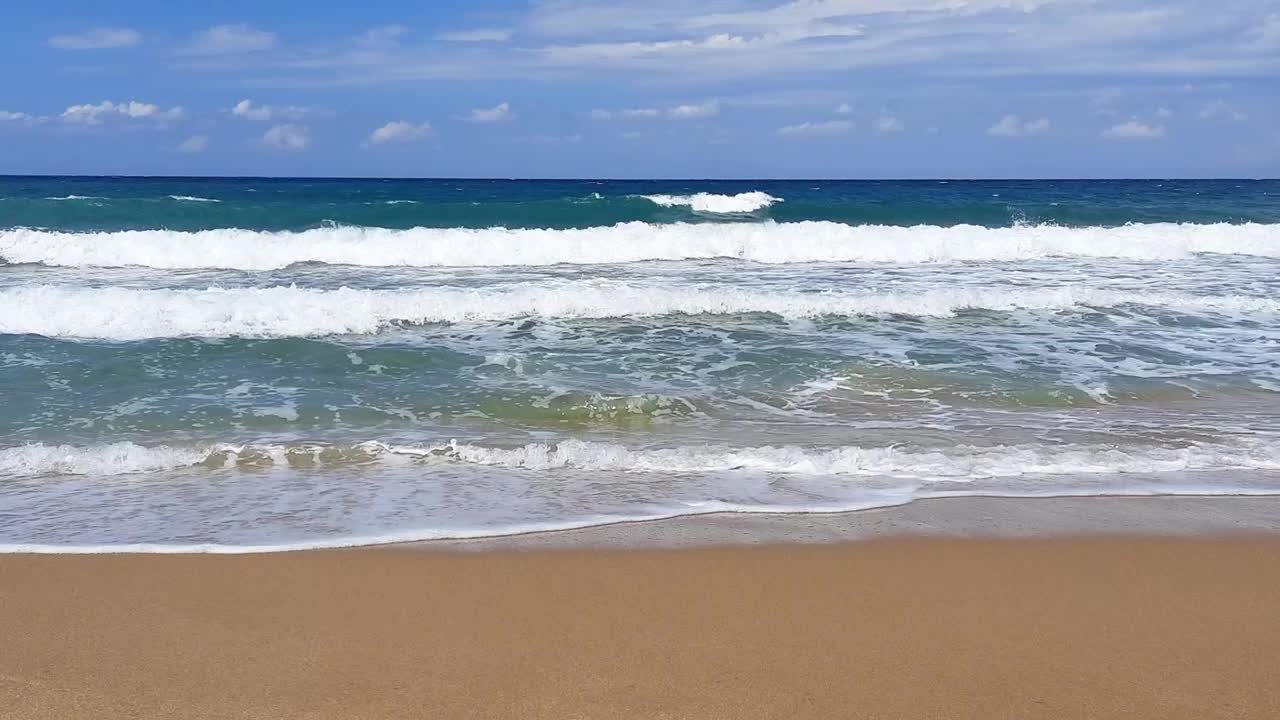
237,364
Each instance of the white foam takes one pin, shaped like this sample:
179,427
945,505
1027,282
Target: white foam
746,202
962,462
192,198
119,458
76,197
119,313
764,242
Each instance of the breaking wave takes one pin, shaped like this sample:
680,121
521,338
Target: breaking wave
954,463
119,313
713,204
763,242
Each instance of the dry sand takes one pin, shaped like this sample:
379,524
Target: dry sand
916,628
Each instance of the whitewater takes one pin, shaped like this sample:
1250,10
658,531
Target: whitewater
763,242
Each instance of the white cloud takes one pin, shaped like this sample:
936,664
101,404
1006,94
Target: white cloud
1164,113
288,137
1015,126
711,108
1220,110
827,127
477,35
889,124
194,144
89,114
399,131
97,39
1134,130
231,40
554,139
844,109
7,116
247,110
381,36
497,113
627,114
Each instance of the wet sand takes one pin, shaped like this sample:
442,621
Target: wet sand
896,628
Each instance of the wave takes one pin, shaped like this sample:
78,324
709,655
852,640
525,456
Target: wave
954,463
192,198
747,202
116,313
764,242
75,197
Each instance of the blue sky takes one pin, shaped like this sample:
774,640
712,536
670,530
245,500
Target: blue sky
660,88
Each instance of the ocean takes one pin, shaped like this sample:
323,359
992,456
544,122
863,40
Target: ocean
258,364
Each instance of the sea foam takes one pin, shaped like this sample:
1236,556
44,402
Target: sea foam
961,462
762,242
119,313
714,204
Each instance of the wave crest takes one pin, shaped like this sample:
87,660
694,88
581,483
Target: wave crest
764,242
953,463
713,204
117,313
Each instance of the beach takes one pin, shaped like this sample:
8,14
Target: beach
1142,625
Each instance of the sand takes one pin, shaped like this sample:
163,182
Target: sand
906,628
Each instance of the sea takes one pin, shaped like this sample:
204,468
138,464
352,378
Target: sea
251,364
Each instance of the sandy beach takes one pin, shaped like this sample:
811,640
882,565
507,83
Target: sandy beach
1104,627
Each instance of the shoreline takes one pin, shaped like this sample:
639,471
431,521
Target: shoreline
958,516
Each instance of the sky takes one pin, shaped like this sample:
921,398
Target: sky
659,88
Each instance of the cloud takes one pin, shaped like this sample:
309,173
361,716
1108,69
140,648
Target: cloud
194,144
89,114
294,138
813,129
1220,110
1164,112
381,36
1015,126
497,113
627,114
97,39
399,131
711,108
247,110
889,124
1134,130
843,109
553,139
7,116
477,35
231,40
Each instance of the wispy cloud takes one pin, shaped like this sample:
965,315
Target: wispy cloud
399,131
811,129
625,114
889,124
291,137
97,39
194,145
248,110
1015,126
497,113
477,35
231,40
1134,130
381,36
96,114
1221,110
710,108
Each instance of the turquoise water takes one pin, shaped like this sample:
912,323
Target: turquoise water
241,363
